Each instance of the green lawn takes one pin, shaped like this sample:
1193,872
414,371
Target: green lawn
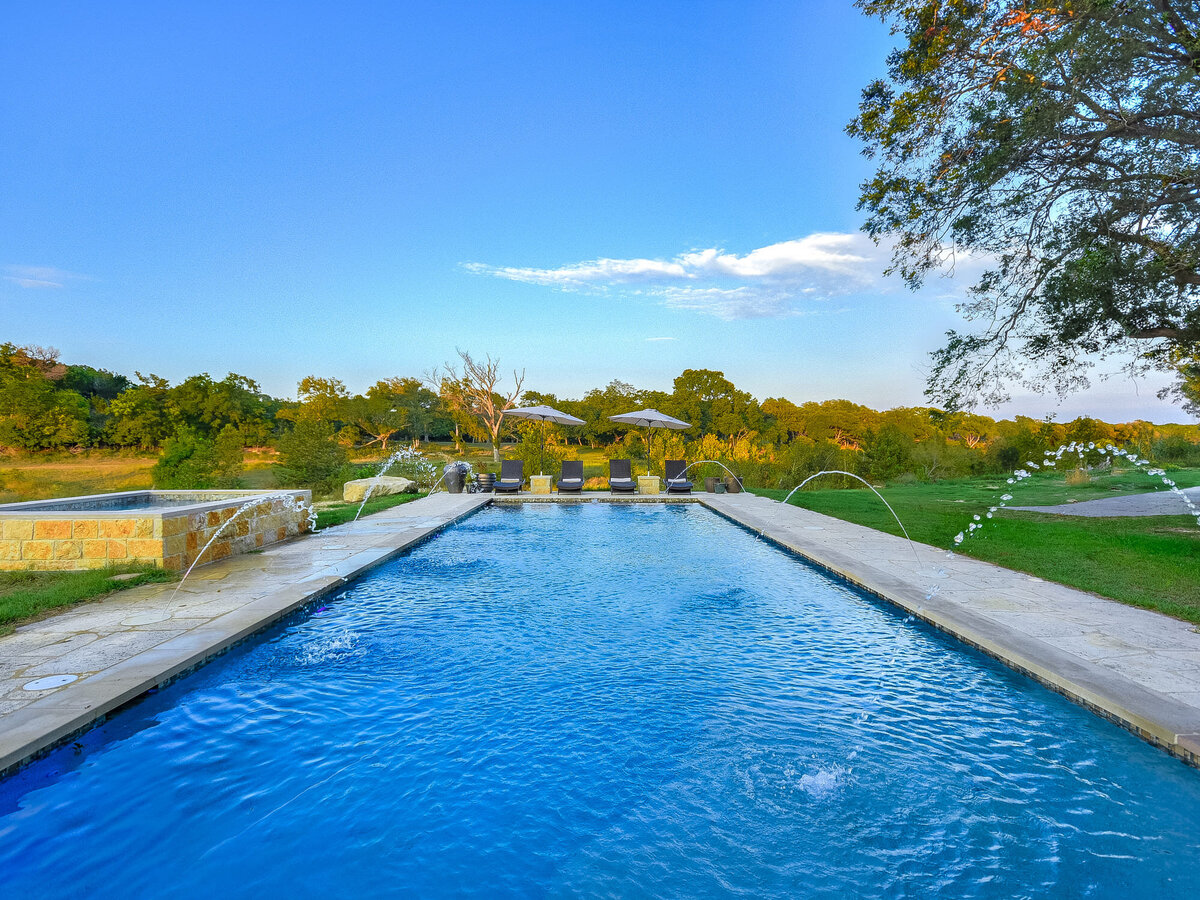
329,514
1148,562
27,595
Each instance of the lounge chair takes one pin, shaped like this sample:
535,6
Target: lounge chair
512,476
676,483
571,479
618,477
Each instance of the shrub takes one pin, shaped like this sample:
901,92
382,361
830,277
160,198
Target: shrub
1004,457
935,460
228,453
805,458
188,462
1178,450
529,451
1077,477
309,455
889,452
631,446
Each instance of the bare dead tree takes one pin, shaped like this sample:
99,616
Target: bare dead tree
473,389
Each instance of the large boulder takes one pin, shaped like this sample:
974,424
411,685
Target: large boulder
354,491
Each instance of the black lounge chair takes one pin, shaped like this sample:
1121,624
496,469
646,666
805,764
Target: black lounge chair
571,479
618,477
512,476
676,483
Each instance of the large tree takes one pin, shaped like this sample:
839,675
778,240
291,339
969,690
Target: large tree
35,412
424,412
208,406
1060,146
712,404
144,415
378,414
474,388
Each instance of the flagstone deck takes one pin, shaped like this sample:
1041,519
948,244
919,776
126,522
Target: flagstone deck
1136,667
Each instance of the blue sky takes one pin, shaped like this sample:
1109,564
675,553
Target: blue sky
587,191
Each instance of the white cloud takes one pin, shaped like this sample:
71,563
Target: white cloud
747,302
39,277
599,271
660,339
769,282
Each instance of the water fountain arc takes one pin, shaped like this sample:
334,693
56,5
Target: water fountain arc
288,502
736,477
1050,460
911,545
404,453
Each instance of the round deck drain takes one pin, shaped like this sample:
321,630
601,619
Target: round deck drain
50,681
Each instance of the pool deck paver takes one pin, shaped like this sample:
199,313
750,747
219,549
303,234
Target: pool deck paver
1133,666
1136,667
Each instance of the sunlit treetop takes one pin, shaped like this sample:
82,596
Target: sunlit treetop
1059,145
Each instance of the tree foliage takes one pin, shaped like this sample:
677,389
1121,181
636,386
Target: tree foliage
205,425
712,403
310,456
192,461
35,412
144,415
1060,146
209,406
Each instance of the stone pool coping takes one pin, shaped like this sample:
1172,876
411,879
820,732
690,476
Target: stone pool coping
1135,667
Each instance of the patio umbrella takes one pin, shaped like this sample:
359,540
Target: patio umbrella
544,414
650,418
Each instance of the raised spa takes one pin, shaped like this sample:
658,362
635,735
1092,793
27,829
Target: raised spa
594,700
166,528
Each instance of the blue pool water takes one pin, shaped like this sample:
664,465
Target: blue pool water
602,701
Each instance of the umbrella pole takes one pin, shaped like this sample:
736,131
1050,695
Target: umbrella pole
542,451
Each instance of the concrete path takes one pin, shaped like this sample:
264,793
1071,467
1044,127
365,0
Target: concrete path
1156,503
120,647
1134,666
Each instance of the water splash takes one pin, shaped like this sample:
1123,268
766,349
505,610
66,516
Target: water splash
823,782
328,650
418,465
1051,459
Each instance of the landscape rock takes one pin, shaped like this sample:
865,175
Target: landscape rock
354,491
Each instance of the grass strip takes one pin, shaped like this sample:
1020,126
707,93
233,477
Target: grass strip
1147,562
26,595
340,513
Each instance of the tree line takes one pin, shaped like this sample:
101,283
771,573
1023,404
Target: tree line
48,405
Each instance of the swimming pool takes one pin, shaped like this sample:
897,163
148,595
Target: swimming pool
601,700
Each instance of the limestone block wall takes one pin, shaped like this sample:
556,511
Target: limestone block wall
171,538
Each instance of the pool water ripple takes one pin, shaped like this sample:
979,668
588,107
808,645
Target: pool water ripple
600,701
